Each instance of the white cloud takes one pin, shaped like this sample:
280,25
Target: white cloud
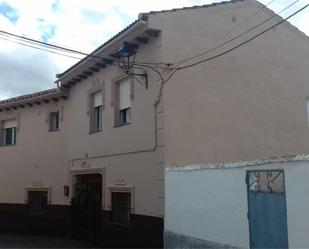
24,72
79,24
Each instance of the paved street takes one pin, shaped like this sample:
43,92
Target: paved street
23,241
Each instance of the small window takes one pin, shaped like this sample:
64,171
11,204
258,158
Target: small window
96,111
123,110
125,116
121,203
37,202
54,121
9,132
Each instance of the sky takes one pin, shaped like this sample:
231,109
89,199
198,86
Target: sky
81,25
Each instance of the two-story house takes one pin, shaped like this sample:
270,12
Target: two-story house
88,158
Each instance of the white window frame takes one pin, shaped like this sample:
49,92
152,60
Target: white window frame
118,110
3,132
92,110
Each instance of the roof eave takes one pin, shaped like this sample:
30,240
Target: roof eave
46,98
137,26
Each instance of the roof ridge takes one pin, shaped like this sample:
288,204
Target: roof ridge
192,7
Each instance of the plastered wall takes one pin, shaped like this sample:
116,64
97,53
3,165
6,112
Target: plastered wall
247,104
211,204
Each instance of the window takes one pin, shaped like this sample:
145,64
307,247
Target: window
307,105
96,112
121,203
37,202
9,132
54,121
123,112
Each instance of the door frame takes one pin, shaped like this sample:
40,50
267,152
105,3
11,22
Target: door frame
76,172
284,194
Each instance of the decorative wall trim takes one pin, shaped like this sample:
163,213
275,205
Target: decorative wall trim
39,188
76,172
54,109
87,171
123,189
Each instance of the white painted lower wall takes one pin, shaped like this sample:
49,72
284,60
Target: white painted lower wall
210,202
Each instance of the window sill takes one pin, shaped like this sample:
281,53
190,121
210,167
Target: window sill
121,125
94,132
37,214
53,130
120,225
8,145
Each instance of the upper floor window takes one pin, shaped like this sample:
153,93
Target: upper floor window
307,105
123,102
96,111
9,132
54,121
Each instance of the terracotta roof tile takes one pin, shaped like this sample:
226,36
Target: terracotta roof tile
27,97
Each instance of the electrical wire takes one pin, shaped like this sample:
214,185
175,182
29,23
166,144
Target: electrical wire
73,57
63,49
42,49
66,49
238,36
249,17
144,64
57,47
164,81
236,47
42,43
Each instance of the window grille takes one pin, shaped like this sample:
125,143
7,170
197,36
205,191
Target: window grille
270,181
121,203
37,202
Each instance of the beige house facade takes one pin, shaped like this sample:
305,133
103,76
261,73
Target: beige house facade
87,158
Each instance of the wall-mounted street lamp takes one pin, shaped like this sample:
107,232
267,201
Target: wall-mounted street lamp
126,56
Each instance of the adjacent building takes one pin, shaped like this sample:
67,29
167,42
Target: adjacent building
87,158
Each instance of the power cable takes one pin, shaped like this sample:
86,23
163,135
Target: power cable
64,49
236,37
249,17
46,44
42,49
70,56
236,47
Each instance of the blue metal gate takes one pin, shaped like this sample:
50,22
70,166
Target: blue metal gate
267,209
